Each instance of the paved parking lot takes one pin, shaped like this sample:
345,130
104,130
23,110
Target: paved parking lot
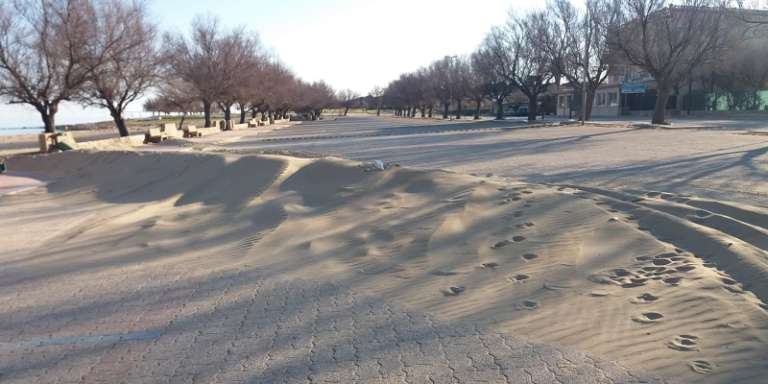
726,161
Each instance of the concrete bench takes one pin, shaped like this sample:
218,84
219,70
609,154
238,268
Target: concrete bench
170,130
192,131
49,141
155,135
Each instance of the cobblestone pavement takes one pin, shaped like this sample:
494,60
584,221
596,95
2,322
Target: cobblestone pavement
170,325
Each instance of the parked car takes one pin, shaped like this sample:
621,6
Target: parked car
519,111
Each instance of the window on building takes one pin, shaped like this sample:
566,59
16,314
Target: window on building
613,99
600,99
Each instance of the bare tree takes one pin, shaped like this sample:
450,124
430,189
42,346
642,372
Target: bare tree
667,41
460,77
196,61
406,95
238,64
492,74
476,87
743,72
130,65
576,42
378,93
347,97
446,82
175,96
521,59
48,50
312,99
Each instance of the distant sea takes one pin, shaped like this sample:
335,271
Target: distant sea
20,131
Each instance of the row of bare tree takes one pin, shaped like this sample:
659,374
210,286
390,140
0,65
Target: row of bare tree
107,53
580,45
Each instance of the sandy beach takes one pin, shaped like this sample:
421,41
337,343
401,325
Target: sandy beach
246,266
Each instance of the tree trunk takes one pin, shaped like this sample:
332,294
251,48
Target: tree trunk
590,102
117,116
48,113
499,108
207,113
346,110
445,110
378,108
659,112
533,102
458,109
242,113
478,104
423,111
183,117
227,116
48,122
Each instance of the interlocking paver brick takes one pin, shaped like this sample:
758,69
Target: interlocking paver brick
237,326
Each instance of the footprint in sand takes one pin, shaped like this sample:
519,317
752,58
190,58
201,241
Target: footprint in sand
634,283
684,343
685,268
518,214
673,281
621,272
490,265
501,244
648,317
556,286
662,262
530,304
518,239
529,224
453,291
444,273
703,367
519,278
530,256
599,293
645,298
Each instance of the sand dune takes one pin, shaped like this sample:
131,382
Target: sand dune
669,284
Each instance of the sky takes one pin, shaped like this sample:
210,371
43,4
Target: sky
347,43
